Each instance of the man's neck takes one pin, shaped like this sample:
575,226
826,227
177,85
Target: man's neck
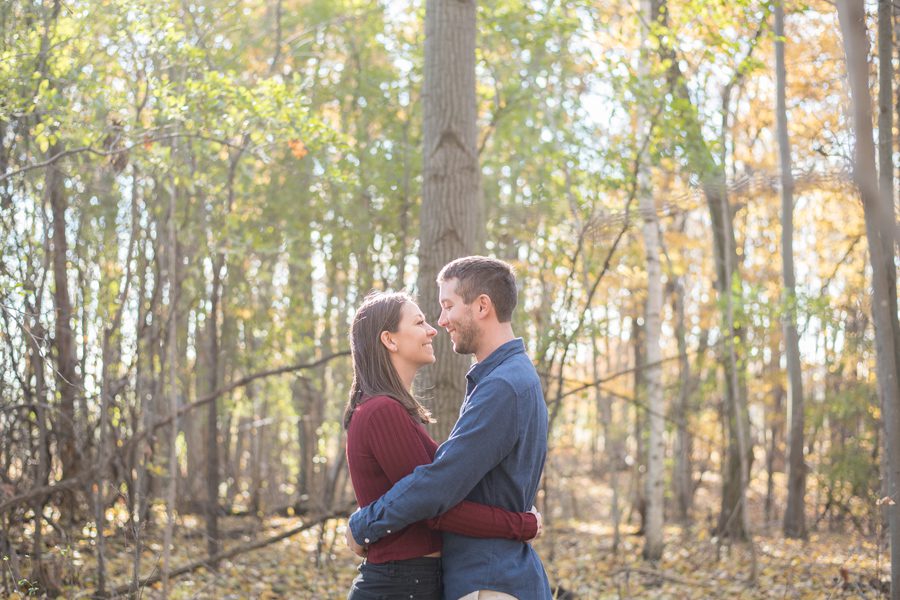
492,339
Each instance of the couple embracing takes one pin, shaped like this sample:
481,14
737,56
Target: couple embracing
449,521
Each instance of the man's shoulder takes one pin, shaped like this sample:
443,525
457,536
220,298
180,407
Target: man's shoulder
517,370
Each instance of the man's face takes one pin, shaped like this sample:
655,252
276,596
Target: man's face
456,317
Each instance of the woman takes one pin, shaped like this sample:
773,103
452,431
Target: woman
389,341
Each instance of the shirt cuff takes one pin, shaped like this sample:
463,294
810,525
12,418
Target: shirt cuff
356,528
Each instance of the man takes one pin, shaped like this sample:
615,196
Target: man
496,451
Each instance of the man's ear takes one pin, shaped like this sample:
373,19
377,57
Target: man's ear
483,306
387,341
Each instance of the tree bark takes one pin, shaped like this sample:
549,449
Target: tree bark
794,514
212,430
67,378
682,477
172,352
656,449
638,483
451,218
880,231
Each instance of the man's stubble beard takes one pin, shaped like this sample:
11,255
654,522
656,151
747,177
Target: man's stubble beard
467,337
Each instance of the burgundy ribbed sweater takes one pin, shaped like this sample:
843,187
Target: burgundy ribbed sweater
384,444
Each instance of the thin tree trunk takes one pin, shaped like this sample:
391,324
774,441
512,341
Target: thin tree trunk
68,381
616,444
638,485
656,448
212,430
682,478
775,423
794,514
39,400
172,276
143,451
100,483
602,412
739,420
451,218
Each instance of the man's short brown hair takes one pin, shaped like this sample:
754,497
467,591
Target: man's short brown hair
478,275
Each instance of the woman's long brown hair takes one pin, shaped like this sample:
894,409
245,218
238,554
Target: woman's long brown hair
373,372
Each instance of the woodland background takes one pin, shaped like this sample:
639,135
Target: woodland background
698,197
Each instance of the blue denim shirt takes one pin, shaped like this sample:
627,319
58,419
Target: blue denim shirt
494,455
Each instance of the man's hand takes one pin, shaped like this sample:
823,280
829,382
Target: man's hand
540,524
361,550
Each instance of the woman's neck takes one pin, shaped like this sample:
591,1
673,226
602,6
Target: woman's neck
406,372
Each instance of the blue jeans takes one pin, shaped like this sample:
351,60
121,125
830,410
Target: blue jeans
418,578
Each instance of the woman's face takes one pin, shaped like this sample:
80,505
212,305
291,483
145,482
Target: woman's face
411,343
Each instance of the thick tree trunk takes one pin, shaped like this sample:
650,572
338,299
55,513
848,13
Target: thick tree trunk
880,232
451,218
794,514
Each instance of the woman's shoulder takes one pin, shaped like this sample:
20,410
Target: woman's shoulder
377,404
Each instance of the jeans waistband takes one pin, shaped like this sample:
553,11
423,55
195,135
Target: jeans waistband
422,564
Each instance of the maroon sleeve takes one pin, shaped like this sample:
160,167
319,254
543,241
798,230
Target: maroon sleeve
483,521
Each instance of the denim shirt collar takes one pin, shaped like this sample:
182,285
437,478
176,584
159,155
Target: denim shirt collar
480,370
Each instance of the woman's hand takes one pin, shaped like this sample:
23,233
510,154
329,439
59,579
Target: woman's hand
362,551
540,524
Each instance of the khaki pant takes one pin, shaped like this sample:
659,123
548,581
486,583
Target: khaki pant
487,595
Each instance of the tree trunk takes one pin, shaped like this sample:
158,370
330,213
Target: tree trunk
212,430
638,484
880,231
794,514
171,354
615,444
772,450
38,399
146,409
682,477
67,378
656,448
451,218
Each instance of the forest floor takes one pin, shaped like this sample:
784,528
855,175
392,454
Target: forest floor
576,550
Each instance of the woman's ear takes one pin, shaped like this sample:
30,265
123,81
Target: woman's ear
387,341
